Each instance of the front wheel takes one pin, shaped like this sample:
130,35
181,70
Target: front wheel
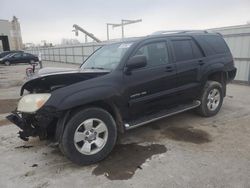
211,99
89,136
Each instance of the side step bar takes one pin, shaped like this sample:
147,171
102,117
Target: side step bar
160,115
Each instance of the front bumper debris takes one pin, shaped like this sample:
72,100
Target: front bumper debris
31,124
27,129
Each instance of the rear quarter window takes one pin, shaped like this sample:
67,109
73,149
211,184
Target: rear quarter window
213,44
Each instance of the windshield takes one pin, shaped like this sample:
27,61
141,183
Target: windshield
9,55
108,57
3,54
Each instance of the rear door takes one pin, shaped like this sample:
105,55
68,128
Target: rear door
189,58
148,88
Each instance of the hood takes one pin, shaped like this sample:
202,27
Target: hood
50,78
56,70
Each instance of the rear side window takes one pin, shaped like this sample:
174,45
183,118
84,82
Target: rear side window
182,50
196,50
186,49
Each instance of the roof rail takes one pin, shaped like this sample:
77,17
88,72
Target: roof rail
178,32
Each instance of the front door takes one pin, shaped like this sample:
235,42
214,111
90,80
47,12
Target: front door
17,58
149,88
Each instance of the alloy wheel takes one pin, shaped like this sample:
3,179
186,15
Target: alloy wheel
91,136
213,99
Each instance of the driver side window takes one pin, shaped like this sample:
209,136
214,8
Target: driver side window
17,55
156,53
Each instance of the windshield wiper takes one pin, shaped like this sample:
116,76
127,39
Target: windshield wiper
100,68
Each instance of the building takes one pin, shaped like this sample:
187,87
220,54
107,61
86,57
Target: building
238,39
10,35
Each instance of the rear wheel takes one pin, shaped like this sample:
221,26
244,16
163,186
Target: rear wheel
89,136
7,63
211,99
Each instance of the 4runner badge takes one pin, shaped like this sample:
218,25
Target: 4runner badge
138,94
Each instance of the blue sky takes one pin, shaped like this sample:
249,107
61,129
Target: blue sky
52,20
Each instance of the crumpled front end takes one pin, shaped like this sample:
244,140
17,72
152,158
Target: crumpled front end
33,125
33,118
37,113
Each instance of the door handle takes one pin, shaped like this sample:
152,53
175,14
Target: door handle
169,69
201,62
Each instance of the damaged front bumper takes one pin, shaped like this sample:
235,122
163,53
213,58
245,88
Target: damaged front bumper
27,129
31,124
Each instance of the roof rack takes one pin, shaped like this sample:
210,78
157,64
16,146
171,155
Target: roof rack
178,32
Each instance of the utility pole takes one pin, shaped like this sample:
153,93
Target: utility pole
110,24
107,31
122,24
44,42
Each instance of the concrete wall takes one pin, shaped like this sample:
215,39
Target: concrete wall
16,37
13,31
5,28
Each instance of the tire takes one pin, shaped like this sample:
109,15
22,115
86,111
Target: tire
7,63
211,99
84,144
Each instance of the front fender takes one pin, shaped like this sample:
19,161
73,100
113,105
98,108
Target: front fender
82,97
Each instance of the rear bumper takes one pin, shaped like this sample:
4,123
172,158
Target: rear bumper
231,74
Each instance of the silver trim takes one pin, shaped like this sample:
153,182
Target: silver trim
158,118
126,125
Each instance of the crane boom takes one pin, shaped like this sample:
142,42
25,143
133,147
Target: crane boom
77,27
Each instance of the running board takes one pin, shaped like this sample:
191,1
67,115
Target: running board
160,115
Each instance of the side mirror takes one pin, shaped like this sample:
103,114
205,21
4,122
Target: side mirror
136,62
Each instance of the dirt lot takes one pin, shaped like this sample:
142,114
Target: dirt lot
181,151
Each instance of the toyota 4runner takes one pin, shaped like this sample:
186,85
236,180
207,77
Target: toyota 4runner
124,85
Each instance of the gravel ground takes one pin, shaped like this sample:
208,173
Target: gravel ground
180,151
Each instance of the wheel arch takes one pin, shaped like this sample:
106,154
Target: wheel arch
216,73
106,105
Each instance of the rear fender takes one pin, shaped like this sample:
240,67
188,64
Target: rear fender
218,67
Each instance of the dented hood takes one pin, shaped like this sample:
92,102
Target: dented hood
52,78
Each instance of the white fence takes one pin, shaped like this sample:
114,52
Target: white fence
66,54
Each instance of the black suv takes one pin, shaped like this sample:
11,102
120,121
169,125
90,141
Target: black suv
122,86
